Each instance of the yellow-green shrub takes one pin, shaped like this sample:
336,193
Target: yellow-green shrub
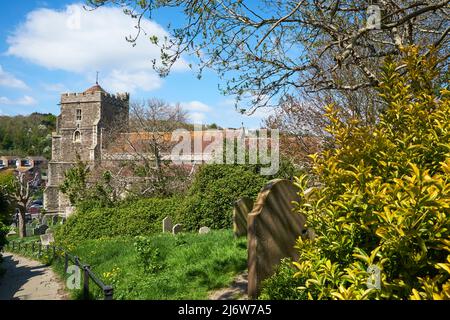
383,197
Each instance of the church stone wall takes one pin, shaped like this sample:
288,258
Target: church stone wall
100,111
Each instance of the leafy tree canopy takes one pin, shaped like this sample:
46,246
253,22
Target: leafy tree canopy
270,48
27,135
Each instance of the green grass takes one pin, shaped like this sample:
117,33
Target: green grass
26,249
23,240
192,265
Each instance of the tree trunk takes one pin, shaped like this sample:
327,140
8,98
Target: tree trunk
22,226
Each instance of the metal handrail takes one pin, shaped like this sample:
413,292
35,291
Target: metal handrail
108,291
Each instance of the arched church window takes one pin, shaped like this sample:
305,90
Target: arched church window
77,136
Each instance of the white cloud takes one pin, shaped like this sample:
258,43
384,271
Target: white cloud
24,101
263,112
81,41
55,87
27,101
195,106
196,111
197,117
10,81
132,81
230,102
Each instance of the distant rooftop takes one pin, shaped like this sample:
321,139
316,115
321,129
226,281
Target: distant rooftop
95,88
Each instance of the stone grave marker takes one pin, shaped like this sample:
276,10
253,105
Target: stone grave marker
204,230
47,239
241,209
273,229
167,224
54,219
69,211
177,228
29,230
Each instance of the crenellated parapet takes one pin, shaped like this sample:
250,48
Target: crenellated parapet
119,99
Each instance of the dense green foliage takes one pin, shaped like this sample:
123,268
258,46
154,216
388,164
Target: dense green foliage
148,254
189,265
384,198
141,217
3,232
75,181
284,285
7,180
27,135
213,192
3,241
209,202
77,186
217,187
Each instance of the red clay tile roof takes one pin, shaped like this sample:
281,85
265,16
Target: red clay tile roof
95,88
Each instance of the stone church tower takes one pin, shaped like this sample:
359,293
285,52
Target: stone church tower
83,121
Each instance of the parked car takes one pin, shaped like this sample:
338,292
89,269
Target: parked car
38,202
35,209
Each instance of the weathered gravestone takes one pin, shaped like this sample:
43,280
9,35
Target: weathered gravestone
273,229
69,211
47,239
167,224
177,228
50,219
48,231
40,230
29,229
204,230
242,208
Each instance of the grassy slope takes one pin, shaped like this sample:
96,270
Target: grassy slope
24,240
192,264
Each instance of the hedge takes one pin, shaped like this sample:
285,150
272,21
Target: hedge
209,202
141,217
213,193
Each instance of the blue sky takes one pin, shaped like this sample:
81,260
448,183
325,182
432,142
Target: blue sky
50,47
